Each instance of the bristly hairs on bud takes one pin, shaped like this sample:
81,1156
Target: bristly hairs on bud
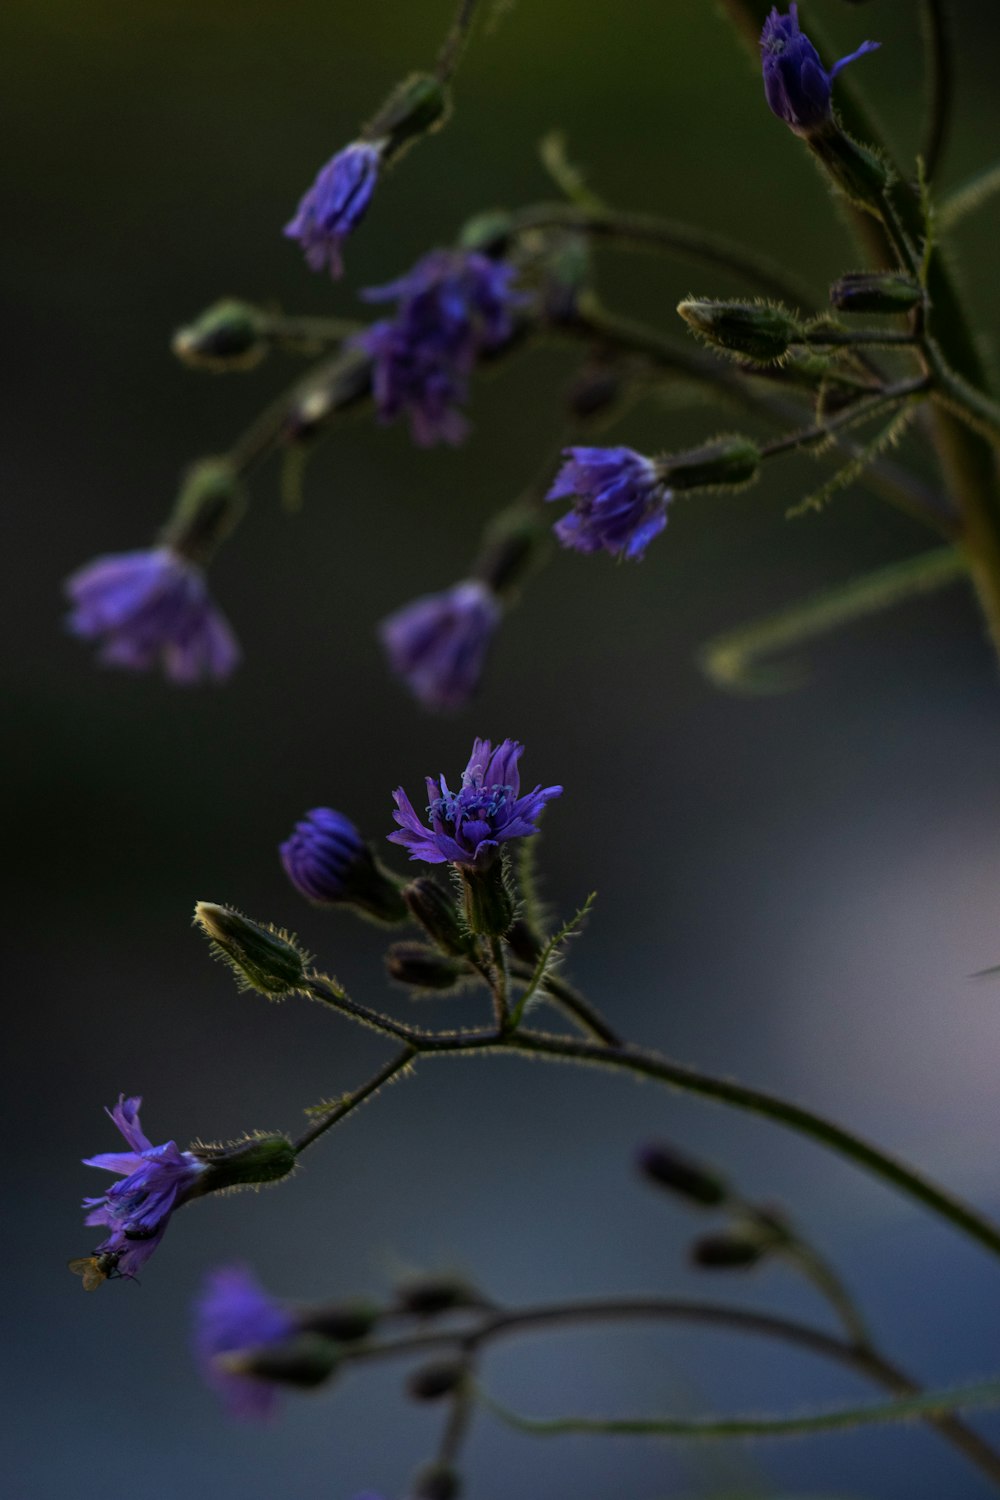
755,329
257,1159
264,958
730,461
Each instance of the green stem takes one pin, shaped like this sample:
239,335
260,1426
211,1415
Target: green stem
970,196
862,1360
350,1102
938,51
648,231
454,43
569,1000
499,983
730,659
929,1403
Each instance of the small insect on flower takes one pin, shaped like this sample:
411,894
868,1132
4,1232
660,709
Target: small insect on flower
97,1269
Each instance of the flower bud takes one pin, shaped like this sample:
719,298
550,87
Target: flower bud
417,105
263,958
730,1250
429,1296
436,1379
344,1322
435,910
725,463
488,232
758,331
229,335
436,1481
210,503
346,381
512,546
329,863
262,1158
305,1361
424,968
875,292
682,1175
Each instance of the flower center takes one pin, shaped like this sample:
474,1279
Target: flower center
471,804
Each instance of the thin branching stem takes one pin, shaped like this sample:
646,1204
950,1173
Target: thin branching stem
940,82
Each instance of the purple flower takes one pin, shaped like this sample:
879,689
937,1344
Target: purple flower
155,1181
152,606
453,306
621,503
335,205
232,1313
438,643
797,86
321,853
468,826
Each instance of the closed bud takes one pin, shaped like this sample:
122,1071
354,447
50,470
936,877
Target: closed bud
345,381
229,335
417,105
436,1481
759,331
875,292
512,546
436,1379
429,1296
304,1361
434,908
261,1158
210,502
730,1250
424,968
343,1322
488,232
263,958
682,1175
727,462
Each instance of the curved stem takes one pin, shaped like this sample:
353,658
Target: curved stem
350,1102
733,1319
652,232
454,43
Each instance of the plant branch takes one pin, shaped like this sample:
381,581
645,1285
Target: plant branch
938,51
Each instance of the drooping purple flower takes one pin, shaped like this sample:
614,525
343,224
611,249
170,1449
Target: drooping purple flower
797,86
234,1312
335,205
621,502
438,643
151,607
454,305
467,827
155,1181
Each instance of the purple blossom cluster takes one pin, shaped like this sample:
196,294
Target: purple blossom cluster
467,827
798,88
152,607
234,1312
438,644
453,306
335,205
155,1181
620,503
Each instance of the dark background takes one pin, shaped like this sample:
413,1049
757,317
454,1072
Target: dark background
791,890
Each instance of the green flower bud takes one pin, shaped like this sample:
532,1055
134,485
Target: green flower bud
436,1379
416,106
210,503
265,959
489,901
429,1296
344,1322
758,331
229,335
304,1361
725,463
258,1159
436,1481
682,1175
424,968
875,292
730,1250
434,908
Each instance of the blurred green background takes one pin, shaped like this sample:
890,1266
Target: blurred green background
793,890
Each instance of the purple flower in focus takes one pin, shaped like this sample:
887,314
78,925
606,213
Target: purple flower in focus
335,205
155,1181
149,607
467,827
621,504
232,1313
453,306
797,86
438,643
